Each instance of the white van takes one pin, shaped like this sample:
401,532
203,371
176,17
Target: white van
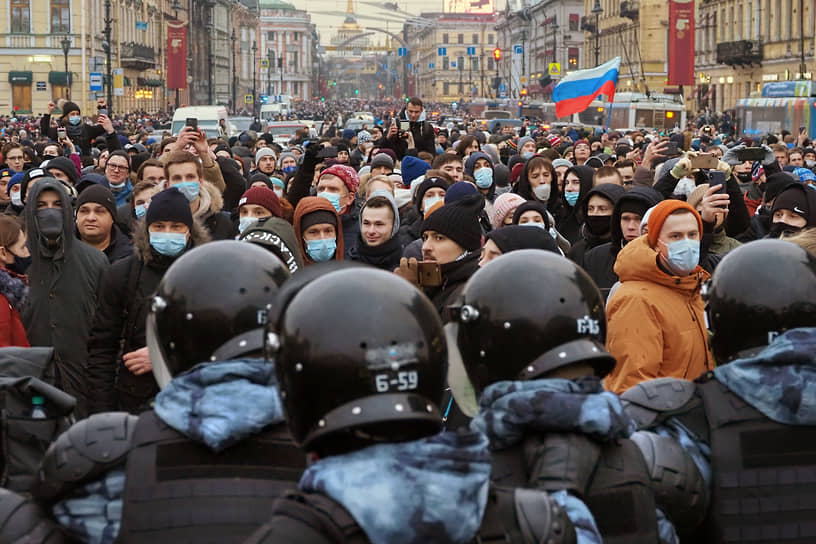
209,119
271,111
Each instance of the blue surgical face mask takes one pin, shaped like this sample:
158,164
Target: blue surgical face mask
572,197
527,155
168,243
246,222
288,169
334,198
117,186
189,189
74,119
684,255
140,210
483,177
321,250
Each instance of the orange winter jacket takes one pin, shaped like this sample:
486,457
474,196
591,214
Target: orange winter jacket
655,322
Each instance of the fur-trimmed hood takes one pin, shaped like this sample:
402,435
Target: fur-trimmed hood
211,201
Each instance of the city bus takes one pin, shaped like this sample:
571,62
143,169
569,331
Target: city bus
783,105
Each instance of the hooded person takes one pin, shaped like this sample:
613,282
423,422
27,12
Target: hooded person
793,210
81,134
338,184
596,210
480,167
64,279
532,213
96,223
656,317
760,224
599,262
577,183
14,189
512,238
118,372
319,229
379,244
276,235
537,182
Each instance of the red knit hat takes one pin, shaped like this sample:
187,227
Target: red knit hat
554,140
659,214
262,196
346,173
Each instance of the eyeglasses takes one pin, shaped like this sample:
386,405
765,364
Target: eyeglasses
15,158
121,167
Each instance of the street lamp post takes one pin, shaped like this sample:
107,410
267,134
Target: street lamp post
597,10
280,67
66,47
176,7
234,105
254,69
270,57
209,25
555,39
107,47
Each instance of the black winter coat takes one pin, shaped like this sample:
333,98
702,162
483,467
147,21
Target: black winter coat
454,277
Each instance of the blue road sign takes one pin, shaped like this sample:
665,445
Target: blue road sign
518,49
453,64
96,81
471,51
502,88
410,66
402,51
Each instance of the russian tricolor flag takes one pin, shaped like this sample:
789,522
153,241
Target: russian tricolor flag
577,90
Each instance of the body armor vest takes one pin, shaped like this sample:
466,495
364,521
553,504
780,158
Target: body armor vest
764,473
178,490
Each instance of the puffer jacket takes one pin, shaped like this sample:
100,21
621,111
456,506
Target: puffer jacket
655,321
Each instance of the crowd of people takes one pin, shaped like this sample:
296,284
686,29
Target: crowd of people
407,332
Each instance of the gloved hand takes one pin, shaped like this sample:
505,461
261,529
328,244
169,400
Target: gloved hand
769,156
683,166
730,156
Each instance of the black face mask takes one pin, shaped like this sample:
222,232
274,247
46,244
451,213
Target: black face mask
50,221
744,177
20,264
778,229
599,225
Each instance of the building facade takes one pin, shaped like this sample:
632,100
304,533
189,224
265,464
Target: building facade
289,44
451,55
742,44
531,38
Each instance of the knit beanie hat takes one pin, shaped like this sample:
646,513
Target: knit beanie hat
460,190
523,141
346,173
263,152
102,196
287,154
413,167
348,133
503,206
427,184
516,172
64,165
363,136
168,205
14,180
261,196
317,217
515,237
532,205
794,198
68,107
562,162
663,210
554,140
382,159
458,221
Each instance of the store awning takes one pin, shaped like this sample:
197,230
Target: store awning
20,77
149,82
58,78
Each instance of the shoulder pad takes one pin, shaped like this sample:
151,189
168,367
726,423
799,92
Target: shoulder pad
645,401
84,452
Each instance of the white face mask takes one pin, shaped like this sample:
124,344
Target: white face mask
278,191
16,198
542,192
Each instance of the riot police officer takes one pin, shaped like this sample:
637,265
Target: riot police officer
750,425
361,380
531,331
208,461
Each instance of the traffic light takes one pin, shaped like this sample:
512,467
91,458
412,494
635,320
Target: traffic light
356,91
497,54
380,86
524,91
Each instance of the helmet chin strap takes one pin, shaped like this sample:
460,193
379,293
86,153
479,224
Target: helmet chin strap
157,359
460,386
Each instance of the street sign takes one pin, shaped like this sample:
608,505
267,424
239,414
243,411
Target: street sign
41,86
524,80
96,81
555,69
248,99
402,51
453,64
471,51
502,88
518,49
431,65
503,94
443,51
264,63
118,82
410,67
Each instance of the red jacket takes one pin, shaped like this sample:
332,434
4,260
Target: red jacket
12,332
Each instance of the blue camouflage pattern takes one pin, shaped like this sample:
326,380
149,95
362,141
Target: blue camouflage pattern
428,491
586,530
507,409
93,514
221,404
665,529
780,381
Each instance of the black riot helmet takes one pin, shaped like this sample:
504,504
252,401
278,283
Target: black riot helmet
362,359
210,305
527,313
758,291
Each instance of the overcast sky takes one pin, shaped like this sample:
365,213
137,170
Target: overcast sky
327,24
